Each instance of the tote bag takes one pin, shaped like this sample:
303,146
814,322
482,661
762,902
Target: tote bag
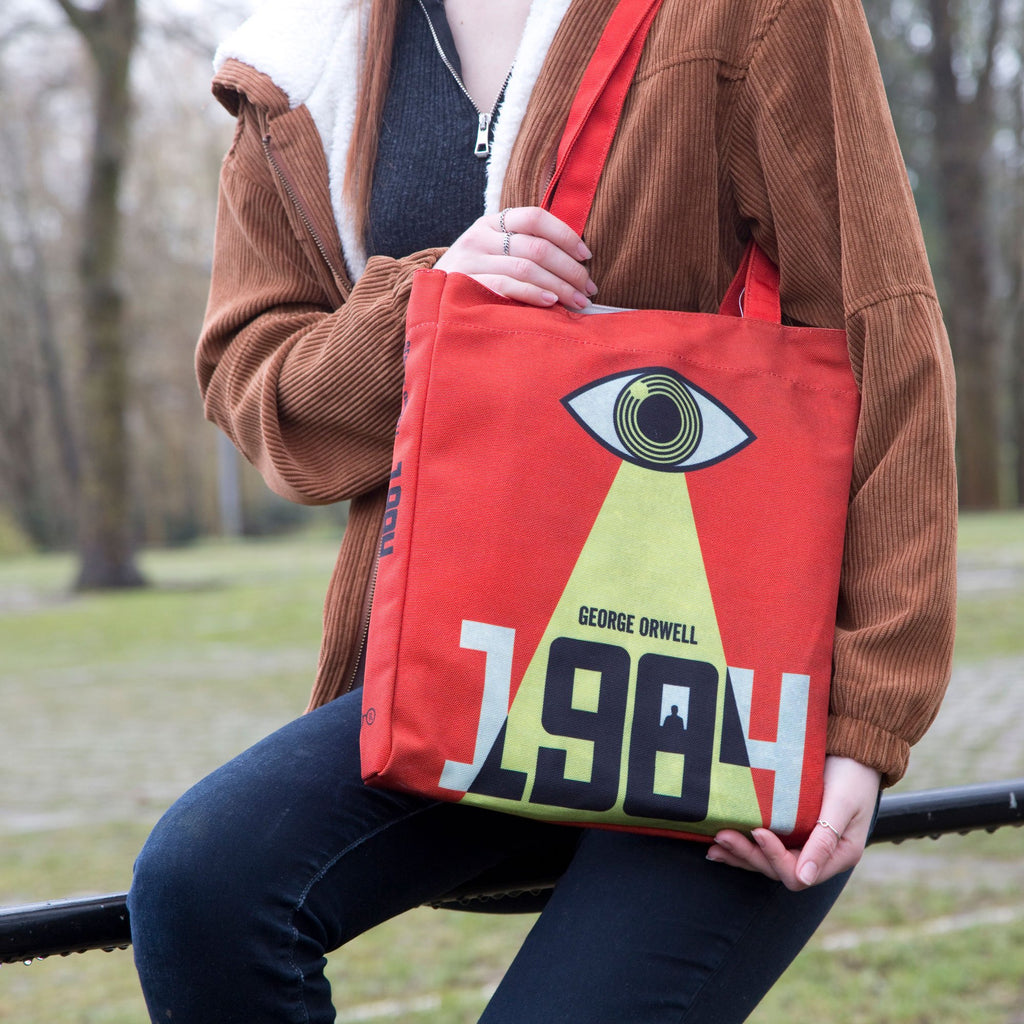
608,570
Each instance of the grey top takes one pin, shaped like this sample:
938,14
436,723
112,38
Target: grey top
428,182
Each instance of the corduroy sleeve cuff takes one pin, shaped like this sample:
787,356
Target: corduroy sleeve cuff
870,745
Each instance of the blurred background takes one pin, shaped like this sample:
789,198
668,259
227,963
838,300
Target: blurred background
159,608
109,150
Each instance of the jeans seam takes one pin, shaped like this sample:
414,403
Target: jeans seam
771,897
318,875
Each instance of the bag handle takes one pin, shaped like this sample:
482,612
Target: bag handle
595,112
589,130
754,292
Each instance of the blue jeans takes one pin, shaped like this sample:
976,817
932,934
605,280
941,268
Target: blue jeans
283,855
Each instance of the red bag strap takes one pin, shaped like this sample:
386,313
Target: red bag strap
754,291
595,112
587,138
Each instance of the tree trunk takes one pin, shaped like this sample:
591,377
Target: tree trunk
106,544
963,132
1017,410
229,487
33,284
1015,305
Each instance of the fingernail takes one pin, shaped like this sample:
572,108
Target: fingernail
591,288
584,252
580,299
808,873
714,856
549,297
724,843
758,838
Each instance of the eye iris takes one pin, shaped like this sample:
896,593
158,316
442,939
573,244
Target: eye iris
657,419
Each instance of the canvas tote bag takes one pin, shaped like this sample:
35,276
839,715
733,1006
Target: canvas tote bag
608,570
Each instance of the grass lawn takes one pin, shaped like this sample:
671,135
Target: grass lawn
114,704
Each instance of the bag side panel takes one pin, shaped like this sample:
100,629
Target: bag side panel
396,546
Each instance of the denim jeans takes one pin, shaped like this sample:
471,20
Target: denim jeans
283,855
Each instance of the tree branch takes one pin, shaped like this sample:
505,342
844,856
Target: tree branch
995,29
81,19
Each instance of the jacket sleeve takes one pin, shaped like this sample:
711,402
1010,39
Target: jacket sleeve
818,172
306,385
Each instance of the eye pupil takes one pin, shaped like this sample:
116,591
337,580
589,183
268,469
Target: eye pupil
657,419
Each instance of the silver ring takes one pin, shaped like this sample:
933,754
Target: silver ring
831,828
501,222
506,242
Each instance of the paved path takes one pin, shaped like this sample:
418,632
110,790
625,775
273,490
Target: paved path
978,735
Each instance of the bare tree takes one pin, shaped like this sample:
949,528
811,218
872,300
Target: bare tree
31,281
954,74
965,122
1016,300
106,544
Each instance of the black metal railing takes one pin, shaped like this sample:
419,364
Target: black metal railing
101,922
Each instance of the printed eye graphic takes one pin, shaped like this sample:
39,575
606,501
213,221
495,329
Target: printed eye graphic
655,418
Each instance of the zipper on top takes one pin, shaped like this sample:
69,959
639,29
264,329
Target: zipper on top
485,119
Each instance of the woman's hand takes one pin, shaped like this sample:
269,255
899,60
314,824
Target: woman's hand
526,254
848,804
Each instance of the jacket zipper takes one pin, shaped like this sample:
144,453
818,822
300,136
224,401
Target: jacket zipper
484,120
294,199
322,249
364,635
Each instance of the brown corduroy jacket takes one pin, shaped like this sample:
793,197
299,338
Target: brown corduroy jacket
763,117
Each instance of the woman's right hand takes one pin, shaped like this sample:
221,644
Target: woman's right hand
524,253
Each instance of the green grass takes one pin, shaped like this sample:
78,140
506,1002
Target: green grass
986,534
989,627
991,607
114,704
973,977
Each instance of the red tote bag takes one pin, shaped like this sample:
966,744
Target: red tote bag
608,571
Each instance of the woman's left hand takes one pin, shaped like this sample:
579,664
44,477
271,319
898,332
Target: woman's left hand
848,804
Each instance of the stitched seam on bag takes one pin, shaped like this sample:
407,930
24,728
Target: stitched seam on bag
665,353
411,511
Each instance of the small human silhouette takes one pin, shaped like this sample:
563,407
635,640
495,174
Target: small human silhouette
673,723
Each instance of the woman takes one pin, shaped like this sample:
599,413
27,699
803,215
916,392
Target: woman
762,117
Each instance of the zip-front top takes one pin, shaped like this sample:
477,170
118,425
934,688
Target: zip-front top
314,61
428,184
445,45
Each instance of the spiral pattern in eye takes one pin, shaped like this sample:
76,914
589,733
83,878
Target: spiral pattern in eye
658,420
655,418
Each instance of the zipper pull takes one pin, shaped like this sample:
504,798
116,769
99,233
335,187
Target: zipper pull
483,136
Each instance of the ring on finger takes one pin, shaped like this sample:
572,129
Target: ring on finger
506,235
831,829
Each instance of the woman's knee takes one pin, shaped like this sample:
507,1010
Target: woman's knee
195,869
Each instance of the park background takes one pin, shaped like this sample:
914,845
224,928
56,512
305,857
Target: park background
160,609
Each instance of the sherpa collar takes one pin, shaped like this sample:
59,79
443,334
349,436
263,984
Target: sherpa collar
310,49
